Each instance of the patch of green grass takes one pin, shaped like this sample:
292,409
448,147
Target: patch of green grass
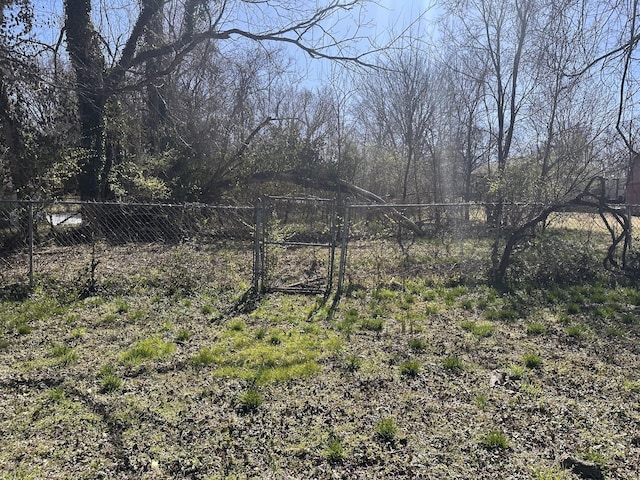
110,383
183,335
352,363
64,354
576,331
515,371
532,360
334,452
479,329
23,329
386,430
530,389
78,332
632,385
4,344
372,324
550,473
481,401
56,395
203,358
417,344
237,326
503,314
410,368
572,308
149,349
535,328
495,439
250,400
453,363
206,309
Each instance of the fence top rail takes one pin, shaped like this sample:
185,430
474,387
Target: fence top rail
299,199
471,204
126,204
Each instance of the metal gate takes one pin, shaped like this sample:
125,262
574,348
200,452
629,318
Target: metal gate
295,244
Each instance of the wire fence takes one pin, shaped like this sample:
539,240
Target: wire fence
286,243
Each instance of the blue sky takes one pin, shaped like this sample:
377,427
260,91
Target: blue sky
382,20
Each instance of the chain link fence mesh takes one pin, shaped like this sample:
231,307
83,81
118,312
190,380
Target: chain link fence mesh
116,247
182,248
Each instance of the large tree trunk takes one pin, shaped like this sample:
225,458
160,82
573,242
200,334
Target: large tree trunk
88,63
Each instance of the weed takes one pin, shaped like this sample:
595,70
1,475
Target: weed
372,324
632,386
417,344
23,329
453,363
432,308
204,357
576,331
515,371
595,457
352,363
530,389
64,354
386,430
532,360
535,328
334,452
110,382
250,400
550,473
4,344
78,332
495,439
56,395
261,333
275,339
206,309
121,306
479,329
183,335
572,308
149,349
237,326
481,401
410,368
503,314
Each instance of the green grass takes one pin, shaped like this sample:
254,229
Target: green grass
149,349
417,344
64,354
495,439
334,452
203,358
453,363
250,400
386,430
479,329
532,360
535,328
410,368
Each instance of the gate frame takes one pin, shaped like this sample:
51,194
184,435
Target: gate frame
262,242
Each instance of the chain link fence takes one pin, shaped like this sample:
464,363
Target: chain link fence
114,246
288,244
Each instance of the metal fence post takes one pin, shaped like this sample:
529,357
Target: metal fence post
343,250
30,229
257,257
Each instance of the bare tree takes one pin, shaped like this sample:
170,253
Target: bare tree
189,23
